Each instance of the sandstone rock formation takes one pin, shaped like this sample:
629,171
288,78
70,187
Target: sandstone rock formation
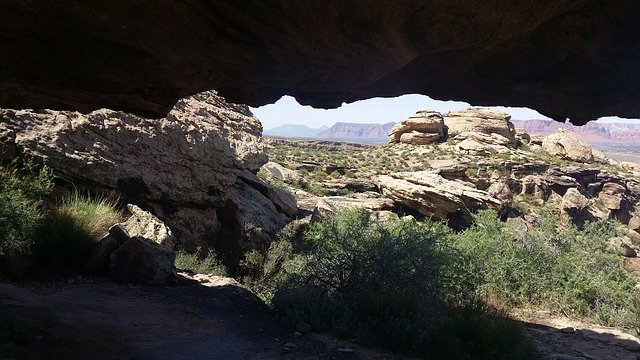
277,171
567,145
141,261
424,127
135,251
566,59
482,144
434,196
574,204
479,120
185,167
143,224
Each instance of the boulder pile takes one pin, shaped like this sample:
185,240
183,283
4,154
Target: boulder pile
137,251
568,145
422,128
476,131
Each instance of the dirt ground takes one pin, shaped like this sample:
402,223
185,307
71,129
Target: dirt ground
215,319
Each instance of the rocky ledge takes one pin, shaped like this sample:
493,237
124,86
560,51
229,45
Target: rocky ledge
194,169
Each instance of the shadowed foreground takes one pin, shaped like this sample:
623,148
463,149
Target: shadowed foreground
76,319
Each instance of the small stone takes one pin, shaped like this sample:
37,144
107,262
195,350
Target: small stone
297,334
289,346
345,350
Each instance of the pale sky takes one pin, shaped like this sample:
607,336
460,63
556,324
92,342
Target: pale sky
376,110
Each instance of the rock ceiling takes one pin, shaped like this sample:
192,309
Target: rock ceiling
564,58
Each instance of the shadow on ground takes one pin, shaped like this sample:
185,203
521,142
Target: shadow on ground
80,319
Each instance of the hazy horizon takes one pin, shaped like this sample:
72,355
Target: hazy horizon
378,111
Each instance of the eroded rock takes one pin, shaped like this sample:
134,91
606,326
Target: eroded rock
434,196
181,167
480,120
143,224
142,261
566,59
422,128
567,145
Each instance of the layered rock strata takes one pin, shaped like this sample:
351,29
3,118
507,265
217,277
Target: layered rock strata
186,167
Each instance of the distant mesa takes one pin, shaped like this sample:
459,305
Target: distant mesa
294,130
366,133
592,132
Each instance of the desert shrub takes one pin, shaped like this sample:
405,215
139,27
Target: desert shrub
21,208
394,284
262,270
335,175
73,227
563,269
200,263
350,174
319,175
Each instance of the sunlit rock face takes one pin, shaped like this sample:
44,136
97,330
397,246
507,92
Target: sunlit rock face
575,59
187,168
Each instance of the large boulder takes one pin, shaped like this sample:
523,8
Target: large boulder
143,224
273,170
182,166
574,204
480,144
567,145
434,196
135,251
141,261
424,127
419,138
480,120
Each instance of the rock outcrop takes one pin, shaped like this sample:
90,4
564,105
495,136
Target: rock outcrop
143,224
141,261
567,59
574,204
567,145
274,170
422,128
434,196
185,167
479,120
482,144
135,251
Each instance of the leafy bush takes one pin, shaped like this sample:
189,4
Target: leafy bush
21,208
565,269
395,284
199,264
73,227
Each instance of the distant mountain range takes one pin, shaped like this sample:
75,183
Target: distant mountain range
368,133
593,132
294,130
609,134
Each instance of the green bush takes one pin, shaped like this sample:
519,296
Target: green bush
21,208
563,269
72,228
199,263
394,284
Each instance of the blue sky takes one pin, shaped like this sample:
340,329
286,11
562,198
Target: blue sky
376,110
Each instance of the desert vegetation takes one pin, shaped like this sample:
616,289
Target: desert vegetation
423,289
40,234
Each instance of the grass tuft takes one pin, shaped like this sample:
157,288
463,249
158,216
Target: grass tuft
73,227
